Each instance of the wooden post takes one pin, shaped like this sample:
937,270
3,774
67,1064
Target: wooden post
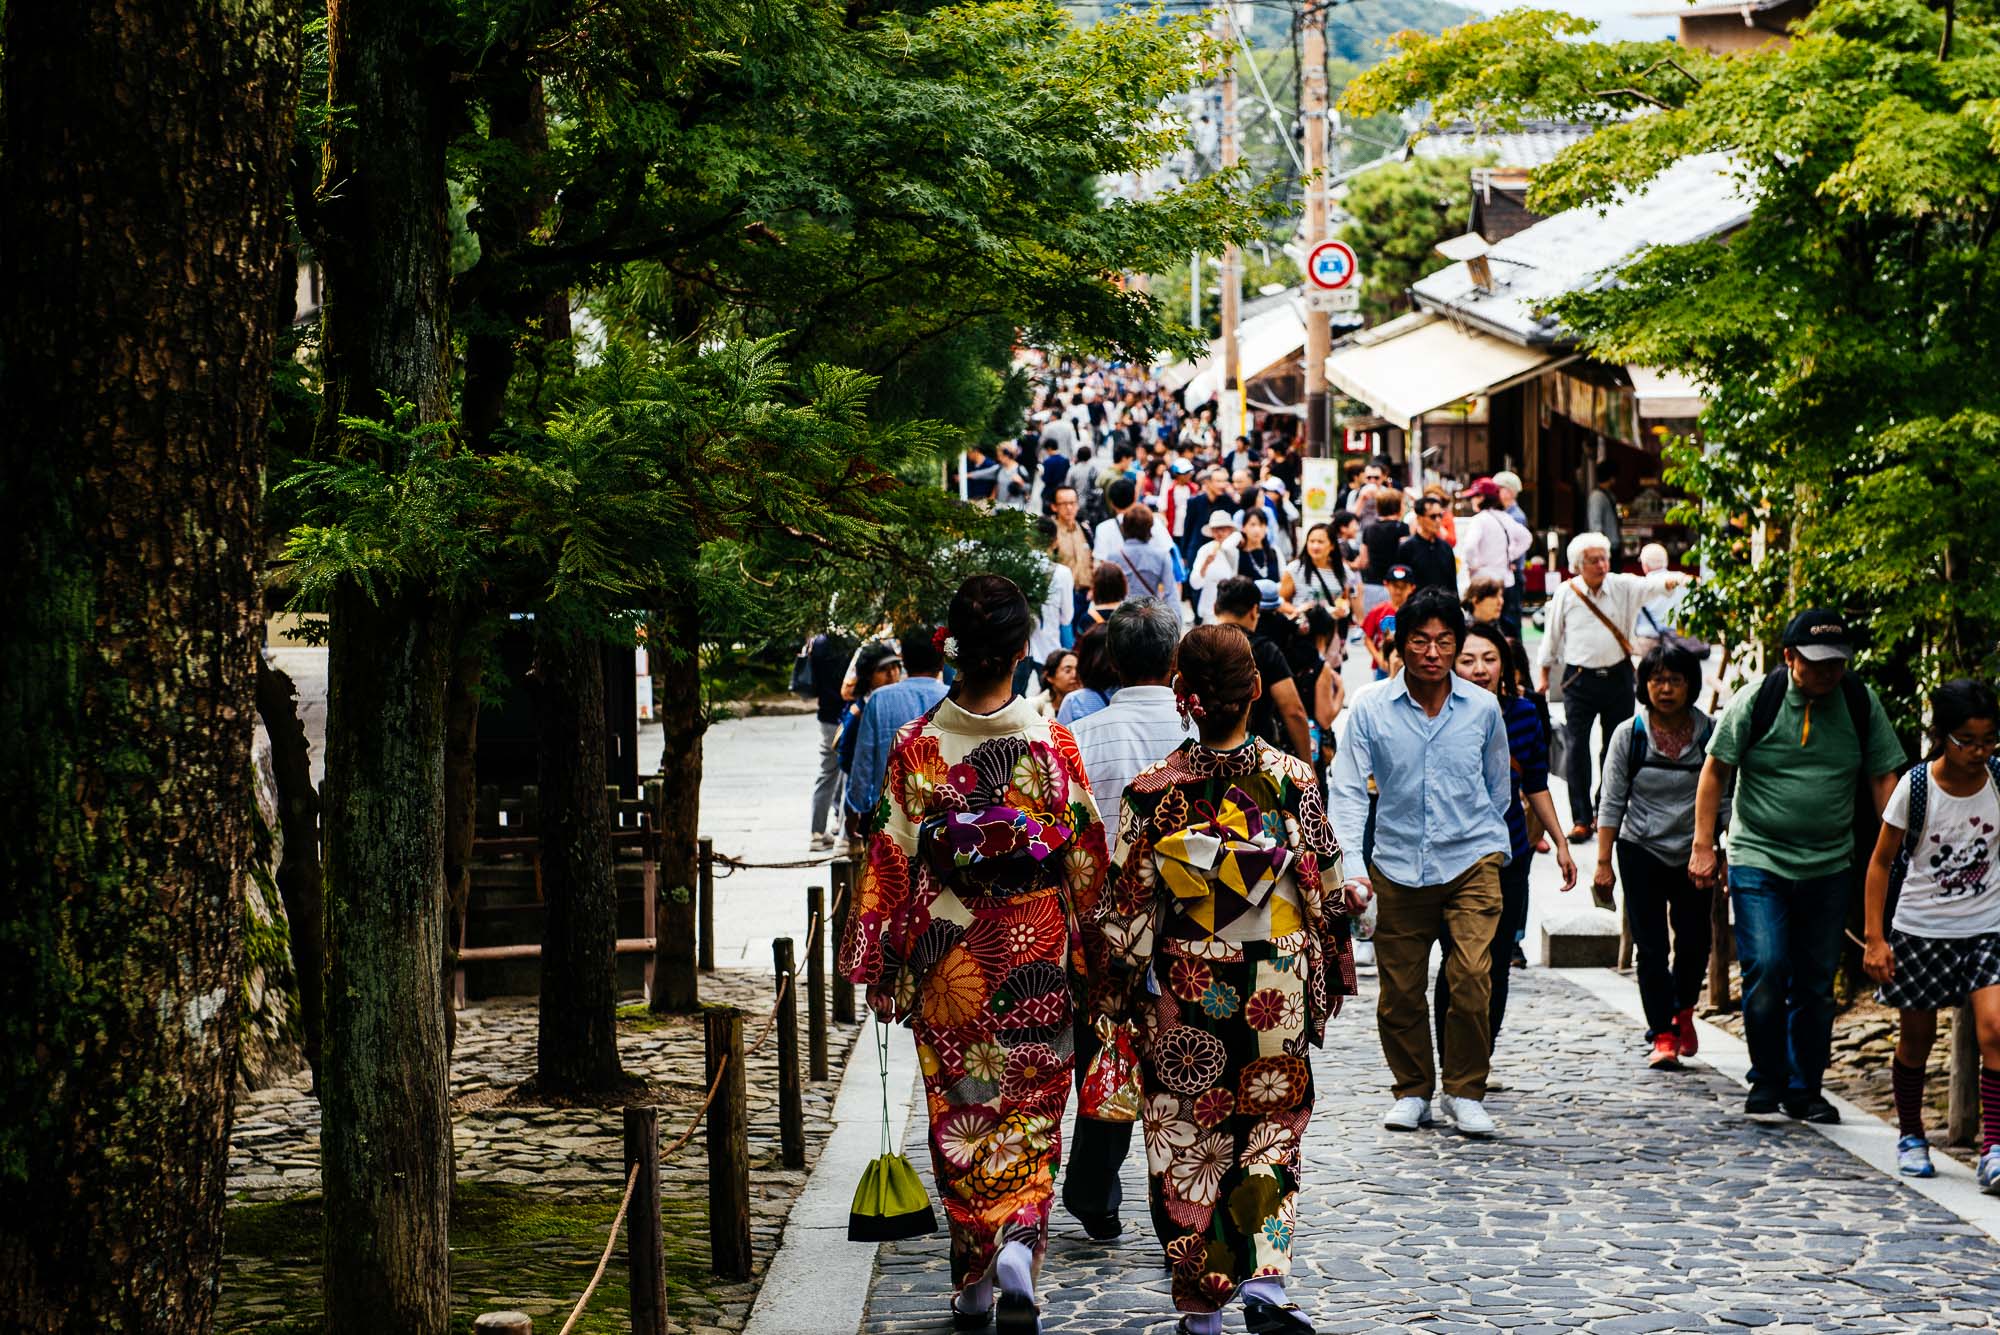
705,931
728,1147
1961,1125
645,1252
842,873
816,984
1720,951
791,1094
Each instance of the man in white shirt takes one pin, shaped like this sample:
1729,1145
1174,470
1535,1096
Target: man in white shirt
1058,610
1139,728
1214,562
1589,643
1121,494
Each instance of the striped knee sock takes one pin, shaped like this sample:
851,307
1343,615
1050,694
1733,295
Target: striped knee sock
1989,1108
1908,1084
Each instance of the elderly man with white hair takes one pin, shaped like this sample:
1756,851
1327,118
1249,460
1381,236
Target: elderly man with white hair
1589,650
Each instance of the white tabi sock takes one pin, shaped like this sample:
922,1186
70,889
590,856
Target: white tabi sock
975,1297
1014,1268
1269,1289
1203,1323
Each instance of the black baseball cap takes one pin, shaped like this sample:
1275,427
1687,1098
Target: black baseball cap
1820,634
1400,575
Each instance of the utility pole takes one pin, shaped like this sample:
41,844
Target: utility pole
1230,418
1313,120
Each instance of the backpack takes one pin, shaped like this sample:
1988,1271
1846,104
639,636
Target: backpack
1642,754
1919,776
1764,713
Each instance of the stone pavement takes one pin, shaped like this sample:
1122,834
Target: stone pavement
1615,1200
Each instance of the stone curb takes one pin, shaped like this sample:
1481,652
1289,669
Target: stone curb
1861,1133
818,1282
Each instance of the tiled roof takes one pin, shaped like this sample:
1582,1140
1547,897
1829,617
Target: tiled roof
1696,198
1535,143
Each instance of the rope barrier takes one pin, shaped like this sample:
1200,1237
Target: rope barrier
701,1115
725,865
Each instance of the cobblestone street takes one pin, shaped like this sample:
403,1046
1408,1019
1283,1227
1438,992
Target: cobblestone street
1615,1200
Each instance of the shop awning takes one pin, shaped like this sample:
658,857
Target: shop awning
1665,393
1264,343
1419,363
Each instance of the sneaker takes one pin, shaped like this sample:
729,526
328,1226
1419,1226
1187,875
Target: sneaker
1520,960
1989,1171
821,842
1666,1053
1913,1157
1471,1118
1684,1030
1762,1101
1364,955
1408,1114
1811,1108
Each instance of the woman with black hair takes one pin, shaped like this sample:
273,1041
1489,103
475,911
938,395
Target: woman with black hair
1652,764
975,913
1484,659
1095,677
1227,930
1938,943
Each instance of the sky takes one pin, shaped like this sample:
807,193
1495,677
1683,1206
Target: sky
1615,17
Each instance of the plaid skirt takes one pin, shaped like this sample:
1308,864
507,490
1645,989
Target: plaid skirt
1935,971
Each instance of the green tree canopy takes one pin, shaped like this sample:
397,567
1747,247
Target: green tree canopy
1845,332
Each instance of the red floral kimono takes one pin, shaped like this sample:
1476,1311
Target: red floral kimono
977,910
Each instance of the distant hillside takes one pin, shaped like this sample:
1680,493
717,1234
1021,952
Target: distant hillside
1354,31
1354,28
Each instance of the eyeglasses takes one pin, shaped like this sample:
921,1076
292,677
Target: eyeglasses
1975,743
1423,644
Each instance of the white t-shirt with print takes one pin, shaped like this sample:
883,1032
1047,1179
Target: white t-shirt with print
1952,888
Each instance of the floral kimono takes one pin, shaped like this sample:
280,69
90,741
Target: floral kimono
1233,952
977,907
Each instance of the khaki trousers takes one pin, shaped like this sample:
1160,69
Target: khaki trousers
1408,923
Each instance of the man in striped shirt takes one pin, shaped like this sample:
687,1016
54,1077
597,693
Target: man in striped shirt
1138,729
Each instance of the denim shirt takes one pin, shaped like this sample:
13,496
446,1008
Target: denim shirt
885,715
1442,784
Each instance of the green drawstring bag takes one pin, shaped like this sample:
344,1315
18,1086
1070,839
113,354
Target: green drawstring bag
890,1204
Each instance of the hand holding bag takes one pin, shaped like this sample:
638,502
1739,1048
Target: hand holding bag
1110,1090
891,1203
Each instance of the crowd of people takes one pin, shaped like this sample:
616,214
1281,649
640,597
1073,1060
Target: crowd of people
1133,848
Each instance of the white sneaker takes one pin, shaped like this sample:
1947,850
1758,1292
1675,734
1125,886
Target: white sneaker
1470,1117
1364,956
1408,1114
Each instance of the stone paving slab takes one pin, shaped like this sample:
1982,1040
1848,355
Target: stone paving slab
1616,1199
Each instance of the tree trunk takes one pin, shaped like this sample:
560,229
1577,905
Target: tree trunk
577,1048
141,219
298,875
461,808
386,1149
385,1143
678,635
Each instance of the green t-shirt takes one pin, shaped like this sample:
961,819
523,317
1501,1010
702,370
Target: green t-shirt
1794,810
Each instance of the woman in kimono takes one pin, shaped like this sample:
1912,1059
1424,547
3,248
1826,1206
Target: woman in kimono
1227,922
969,924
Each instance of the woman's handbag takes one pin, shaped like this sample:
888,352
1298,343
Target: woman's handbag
1110,1090
891,1203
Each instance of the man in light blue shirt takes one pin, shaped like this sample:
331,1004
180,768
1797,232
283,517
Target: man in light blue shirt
1435,748
886,713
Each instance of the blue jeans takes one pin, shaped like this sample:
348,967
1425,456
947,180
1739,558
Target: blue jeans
1788,936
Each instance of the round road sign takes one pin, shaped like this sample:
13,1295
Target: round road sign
1331,265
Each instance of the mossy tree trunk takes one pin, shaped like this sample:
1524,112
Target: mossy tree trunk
386,1141
298,874
678,633
141,224
577,1047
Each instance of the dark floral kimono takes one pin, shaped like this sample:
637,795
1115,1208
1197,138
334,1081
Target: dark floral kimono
1224,921
977,907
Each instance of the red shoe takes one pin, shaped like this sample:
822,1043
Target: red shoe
1666,1053
1684,1031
